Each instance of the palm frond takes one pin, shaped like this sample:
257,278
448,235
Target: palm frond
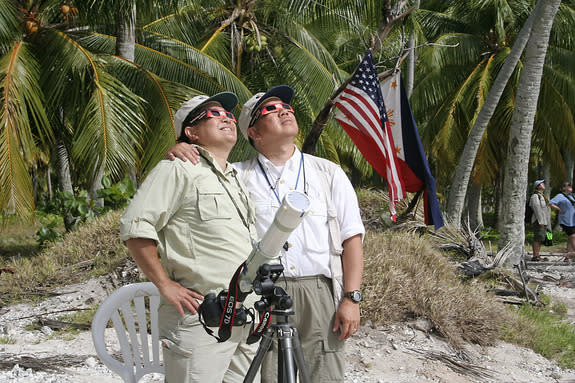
562,32
21,109
178,62
110,126
9,25
162,98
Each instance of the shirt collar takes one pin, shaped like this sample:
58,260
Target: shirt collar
210,160
291,163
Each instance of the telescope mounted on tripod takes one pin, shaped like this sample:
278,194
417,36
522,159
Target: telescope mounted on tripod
226,310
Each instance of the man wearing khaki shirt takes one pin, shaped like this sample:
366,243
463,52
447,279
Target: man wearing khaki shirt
188,229
323,257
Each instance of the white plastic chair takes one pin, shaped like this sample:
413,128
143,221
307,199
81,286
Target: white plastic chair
126,307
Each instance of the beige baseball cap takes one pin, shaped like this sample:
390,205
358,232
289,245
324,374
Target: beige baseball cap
227,100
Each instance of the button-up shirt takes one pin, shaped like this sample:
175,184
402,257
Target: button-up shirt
308,246
199,216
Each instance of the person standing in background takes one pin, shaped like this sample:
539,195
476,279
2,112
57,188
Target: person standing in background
541,218
564,203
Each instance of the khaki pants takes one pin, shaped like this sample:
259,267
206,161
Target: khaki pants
192,356
314,314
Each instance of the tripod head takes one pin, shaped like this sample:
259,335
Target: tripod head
271,295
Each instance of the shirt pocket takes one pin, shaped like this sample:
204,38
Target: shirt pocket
214,204
315,227
265,208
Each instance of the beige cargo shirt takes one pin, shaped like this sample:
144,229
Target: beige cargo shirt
200,217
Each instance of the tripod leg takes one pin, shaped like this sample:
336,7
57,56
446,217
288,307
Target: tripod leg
264,346
299,359
286,366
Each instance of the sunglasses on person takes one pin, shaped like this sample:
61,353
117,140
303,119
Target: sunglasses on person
212,113
271,108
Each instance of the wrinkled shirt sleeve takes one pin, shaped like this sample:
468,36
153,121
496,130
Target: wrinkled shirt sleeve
155,202
347,206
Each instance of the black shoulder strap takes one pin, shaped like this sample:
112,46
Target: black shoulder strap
569,197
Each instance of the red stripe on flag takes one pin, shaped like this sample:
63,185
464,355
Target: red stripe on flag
373,143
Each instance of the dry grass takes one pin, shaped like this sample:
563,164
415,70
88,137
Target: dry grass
405,278
94,249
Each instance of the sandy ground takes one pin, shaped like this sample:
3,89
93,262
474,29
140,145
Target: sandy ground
405,352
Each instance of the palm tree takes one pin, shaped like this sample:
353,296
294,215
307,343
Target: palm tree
55,91
22,114
306,45
519,146
467,159
453,88
105,112
452,83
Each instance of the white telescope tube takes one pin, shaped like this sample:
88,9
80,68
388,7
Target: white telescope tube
293,209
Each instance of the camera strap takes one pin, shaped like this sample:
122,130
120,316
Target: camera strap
264,323
234,295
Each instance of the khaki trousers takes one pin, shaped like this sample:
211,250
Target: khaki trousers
314,309
192,356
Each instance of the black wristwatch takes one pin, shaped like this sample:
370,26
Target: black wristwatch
354,295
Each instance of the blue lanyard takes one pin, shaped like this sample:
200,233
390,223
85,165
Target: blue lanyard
301,166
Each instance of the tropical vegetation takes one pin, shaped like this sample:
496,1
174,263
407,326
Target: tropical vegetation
88,89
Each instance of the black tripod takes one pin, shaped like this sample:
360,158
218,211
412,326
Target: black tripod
290,355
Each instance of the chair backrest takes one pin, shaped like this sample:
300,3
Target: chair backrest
130,312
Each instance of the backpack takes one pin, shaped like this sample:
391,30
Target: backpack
528,211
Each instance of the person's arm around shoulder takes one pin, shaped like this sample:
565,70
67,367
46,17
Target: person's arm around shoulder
184,152
347,317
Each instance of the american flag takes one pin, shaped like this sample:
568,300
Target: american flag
361,113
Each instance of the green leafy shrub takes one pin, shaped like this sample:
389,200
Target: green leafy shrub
76,209
116,196
48,233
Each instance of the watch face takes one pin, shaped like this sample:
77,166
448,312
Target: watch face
355,296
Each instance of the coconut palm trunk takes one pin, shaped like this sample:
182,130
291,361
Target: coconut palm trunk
460,181
126,35
512,229
64,177
569,163
547,177
125,47
411,59
474,207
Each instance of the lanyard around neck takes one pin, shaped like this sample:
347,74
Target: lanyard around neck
301,166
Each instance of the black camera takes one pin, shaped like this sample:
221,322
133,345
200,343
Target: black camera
212,309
